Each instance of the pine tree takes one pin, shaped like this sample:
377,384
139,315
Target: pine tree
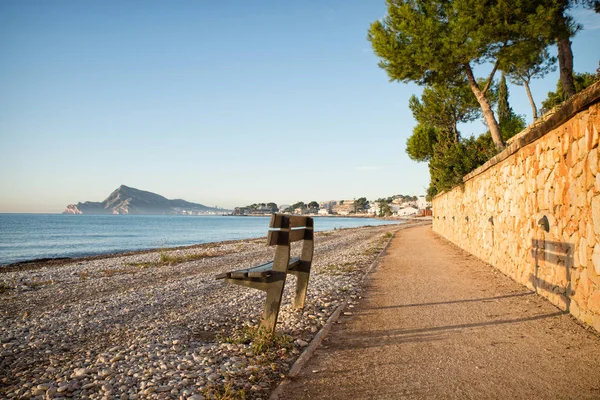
504,110
439,41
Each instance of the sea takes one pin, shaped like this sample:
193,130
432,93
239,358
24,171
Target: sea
26,237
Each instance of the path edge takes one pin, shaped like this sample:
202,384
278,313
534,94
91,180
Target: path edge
318,338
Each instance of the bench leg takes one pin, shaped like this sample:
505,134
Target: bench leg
301,288
274,293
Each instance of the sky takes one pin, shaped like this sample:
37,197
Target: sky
223,103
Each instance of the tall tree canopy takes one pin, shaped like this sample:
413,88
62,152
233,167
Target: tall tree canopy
439,41
444,106
532,63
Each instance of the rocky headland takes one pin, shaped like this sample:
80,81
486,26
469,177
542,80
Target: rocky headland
128,200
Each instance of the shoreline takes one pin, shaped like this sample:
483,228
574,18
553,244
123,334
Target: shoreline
55,261
130,327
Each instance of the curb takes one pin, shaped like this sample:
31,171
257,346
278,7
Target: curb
316,341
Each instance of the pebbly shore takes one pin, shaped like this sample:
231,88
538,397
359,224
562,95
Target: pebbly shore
158,325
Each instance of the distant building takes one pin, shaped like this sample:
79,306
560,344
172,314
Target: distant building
407,211
422,203
284,207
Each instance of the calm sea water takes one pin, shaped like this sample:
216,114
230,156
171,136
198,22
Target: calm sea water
30,236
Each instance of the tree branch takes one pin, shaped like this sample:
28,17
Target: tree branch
491,77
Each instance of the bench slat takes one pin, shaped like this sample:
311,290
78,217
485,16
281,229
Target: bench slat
290,221
294,235
260,271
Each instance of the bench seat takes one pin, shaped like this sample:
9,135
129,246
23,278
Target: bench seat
260,271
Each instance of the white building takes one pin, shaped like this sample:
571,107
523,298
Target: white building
422,203
405,212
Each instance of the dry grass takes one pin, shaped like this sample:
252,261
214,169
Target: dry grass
226,392
174,259
36,283
261,341
334,269
5,287
118,271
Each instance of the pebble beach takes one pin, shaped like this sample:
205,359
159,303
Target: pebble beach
157,325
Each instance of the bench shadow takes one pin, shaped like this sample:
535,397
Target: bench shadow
559,254
368,339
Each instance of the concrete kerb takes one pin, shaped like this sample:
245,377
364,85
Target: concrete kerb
316,341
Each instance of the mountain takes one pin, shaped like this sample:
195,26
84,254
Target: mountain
128,200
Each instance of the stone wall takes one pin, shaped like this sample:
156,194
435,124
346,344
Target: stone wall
533,212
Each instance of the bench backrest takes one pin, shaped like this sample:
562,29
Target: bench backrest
286,229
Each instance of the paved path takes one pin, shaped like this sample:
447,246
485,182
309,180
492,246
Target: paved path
438,323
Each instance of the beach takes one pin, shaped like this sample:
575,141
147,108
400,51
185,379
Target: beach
158,325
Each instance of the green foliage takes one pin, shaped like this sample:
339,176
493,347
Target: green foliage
419,145
582,81
299,204
384,209
511,125
313,204
531,64
362,204
439,41
451,161
444,106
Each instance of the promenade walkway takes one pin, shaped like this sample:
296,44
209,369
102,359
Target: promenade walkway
438,323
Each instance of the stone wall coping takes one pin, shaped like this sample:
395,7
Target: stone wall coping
568,110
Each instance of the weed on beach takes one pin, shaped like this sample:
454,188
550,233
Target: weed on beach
261,341
117,271
36,283
341,269
226,392
165,258
5,287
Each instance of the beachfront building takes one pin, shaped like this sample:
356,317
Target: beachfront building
407,211
422,203
324,211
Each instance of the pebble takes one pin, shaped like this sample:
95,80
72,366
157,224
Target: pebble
131,330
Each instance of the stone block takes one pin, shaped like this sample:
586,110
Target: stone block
591,133
565,144
596,258
596,214
582,248
592,161
596,322
572,155
593,303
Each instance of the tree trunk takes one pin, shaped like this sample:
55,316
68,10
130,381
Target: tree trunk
565,65
533,107
488,114
455,131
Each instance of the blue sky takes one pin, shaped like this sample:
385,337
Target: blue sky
222,103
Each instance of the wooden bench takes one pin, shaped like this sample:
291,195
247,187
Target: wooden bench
270,277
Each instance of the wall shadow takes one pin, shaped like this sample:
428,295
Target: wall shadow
482,299
560,254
